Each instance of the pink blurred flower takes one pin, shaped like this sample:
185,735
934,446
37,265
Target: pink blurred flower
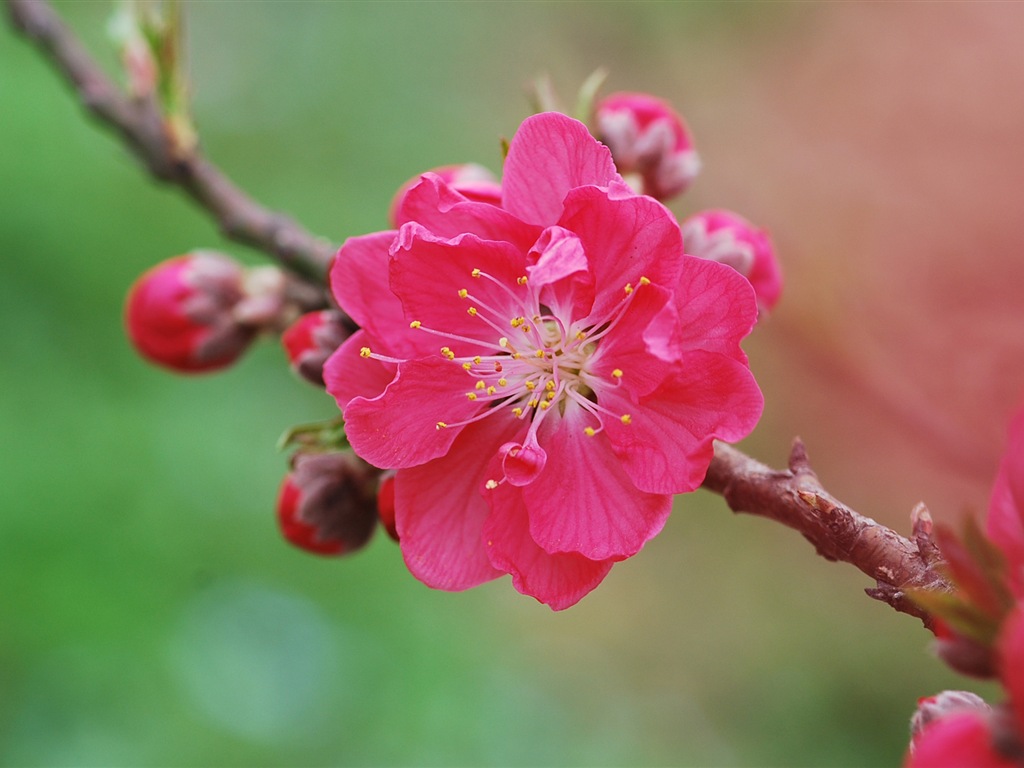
1005,522
543,375
649,141
728,238
468,179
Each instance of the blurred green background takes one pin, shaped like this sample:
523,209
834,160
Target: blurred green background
149,612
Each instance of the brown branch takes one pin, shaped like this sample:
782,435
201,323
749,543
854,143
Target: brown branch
143,129
795,498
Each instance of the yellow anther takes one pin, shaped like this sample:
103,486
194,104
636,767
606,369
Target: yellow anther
533,403
617,373
644,281
628,289
539,353
502,382
517,411
481,385
490,485
545,405
477,359
471,395
521,280
491,390
516,356
441,425
550,395
589,431
550,386
626,418
468,366
463,293
526,329
515,322
530,385
365,352
580,335
445,350
503,342
471,311
415,324
450,355
475,273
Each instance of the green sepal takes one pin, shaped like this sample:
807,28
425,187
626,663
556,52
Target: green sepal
321,436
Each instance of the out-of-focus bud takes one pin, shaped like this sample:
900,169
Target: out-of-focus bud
328,503
932,708
181,314
311,339
728,238
650,143
469,179
386,503
961,739
966,656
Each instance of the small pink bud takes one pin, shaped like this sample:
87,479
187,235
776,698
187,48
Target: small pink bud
932,708
327,503
728,238
469,179
650,143
180,313
311,339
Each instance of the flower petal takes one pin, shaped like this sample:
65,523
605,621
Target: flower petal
668,443
956,741
348,375
583,501
1005,522
440,512
557,580
400,427
625,238
551,154
448,213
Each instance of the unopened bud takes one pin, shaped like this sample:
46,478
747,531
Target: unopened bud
327,503
468,179
650,143
728,238
181,313
932,708
966,656
311,339
386,504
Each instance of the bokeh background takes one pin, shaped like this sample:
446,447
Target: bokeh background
149,613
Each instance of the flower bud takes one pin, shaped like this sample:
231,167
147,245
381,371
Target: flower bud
728,238
650,143
932,708
311,339
469,179
327,503
180,313
386,504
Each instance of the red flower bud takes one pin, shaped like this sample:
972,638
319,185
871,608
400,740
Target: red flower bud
179,314
327,503
386,504
311,339
649,142
468,179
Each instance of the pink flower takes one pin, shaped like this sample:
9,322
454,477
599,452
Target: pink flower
649,141
728,238
1005,522
542,375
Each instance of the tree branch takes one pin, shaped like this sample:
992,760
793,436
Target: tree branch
143,129
795,498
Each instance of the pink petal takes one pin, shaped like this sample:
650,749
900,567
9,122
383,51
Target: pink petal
551,154
583,501
399,428
625,239
557,267
1005,522
428,273
961,740
557,580
440,513
348,375
447,213
668,444
359,282
715,307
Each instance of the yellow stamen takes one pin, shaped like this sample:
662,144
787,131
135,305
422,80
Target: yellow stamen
491,390
580,335
550,396
490,485
530,385
481,385
415,324
503,342
533,403
475,273
365,352
477,359
545,405
644,281
471,311
517,411
502,382
539,353
550,386
521,280
589,431
441,425
626,418
617,373
515,322
526,329
628,289
463,293
471,395
468,366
